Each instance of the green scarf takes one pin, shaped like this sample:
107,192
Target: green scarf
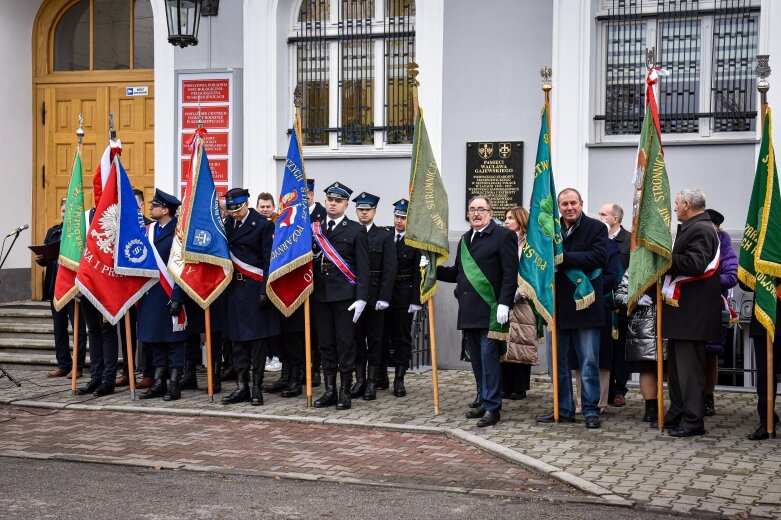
584,292
484,288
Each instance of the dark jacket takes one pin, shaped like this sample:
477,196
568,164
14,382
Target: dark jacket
585,248
154,324
318,213
495,251
641,329
406,285
728,266
50,276
622,241
698,315
247,318
350,240
382,264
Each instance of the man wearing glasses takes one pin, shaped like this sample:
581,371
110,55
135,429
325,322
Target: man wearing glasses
485,271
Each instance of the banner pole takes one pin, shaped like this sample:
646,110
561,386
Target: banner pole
308,352
433,344
129,358
74,363
659,360
207,313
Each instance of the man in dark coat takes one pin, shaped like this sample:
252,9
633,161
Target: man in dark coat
382,271
252,319
405,301
158,310
494,250
63,316
585,244
694,318
341,290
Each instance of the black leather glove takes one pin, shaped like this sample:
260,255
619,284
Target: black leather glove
263,300
174,308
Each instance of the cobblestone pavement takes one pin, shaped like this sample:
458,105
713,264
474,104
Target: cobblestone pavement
720,473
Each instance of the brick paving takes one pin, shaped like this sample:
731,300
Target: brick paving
721,473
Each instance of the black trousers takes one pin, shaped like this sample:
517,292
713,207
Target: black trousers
246,353
335,335
368,337
398,334
291,347
62,349
760,352
103,344
619,374
516,377
168,355
686,378
147,363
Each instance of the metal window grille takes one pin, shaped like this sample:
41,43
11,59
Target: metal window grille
399,50
679,37
356,72
312,61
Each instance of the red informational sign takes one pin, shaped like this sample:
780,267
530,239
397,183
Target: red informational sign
221,189
212,117
205,90
216,143
219,169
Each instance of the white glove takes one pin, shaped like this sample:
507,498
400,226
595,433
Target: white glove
381,305
502,314
414,308
645,301
358,306
423,261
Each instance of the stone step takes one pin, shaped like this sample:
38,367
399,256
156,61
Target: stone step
6,312
25,358
29,343
25,327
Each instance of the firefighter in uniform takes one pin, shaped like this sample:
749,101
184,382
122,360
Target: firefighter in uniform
341,290
382,271
316,214
404,302
252,319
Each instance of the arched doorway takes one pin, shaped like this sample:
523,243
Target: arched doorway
90,57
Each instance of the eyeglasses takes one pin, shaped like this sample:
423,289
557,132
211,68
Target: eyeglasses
155,205
479,211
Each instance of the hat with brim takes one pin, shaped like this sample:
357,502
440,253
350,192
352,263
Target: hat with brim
400,207
235,199
366,201
716,217
162,198
338,191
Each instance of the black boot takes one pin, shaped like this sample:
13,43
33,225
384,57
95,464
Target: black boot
280,384
710,406
477,402
382,381
651,410
345,402
90,387
398,381
174,391
158,388
189,381
315,376
216,376
370,394
359,387
329,398
256,395
241,392
293,388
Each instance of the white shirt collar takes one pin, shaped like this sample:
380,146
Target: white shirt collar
337,221
369,227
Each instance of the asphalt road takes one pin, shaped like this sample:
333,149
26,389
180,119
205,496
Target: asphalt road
66,490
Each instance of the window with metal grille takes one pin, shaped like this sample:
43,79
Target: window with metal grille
362,47
709,48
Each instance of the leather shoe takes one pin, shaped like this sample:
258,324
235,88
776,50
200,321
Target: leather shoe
58,372
517,396
104,389
686,432
761,434
593,422
476,403
92,385
667,425
619,401
145,382
474,413
489,419
123,381
78,374
548,418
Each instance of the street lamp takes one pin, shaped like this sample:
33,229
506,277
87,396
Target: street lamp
184,18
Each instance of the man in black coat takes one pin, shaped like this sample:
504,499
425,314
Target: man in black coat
585,244
694,318
494,250
341,273
252,319
63,316
404,302
382,271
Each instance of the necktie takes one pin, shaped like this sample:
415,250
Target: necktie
238,224
330,226
475,234
399,236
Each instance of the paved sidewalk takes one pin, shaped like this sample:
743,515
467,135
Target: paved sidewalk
721,473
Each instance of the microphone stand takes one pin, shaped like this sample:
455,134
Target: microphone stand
3,371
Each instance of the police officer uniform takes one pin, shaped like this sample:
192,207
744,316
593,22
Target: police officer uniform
404,303
251,318
156,312
337,302
369,328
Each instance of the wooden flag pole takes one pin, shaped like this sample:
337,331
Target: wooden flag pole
659,359
412,71
76,306
763,72
207,313
131,373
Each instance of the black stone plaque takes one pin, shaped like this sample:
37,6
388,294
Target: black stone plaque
495,170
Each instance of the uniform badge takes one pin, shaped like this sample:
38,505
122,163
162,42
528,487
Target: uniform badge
135,251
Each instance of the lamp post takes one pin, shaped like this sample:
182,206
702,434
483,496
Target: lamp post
184,18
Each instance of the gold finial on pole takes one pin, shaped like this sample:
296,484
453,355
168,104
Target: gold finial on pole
650,57
546,74
763,85
112,133
80,130
412,71
298,101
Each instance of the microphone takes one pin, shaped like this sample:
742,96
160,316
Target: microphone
17,230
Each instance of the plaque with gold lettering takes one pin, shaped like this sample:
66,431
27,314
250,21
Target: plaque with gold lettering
495,170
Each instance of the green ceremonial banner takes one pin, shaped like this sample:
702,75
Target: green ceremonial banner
74,237
543,247
427,215
759,263
651,242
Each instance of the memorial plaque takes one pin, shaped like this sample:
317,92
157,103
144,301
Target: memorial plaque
495,170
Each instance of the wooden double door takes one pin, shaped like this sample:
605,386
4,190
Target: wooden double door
56,142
